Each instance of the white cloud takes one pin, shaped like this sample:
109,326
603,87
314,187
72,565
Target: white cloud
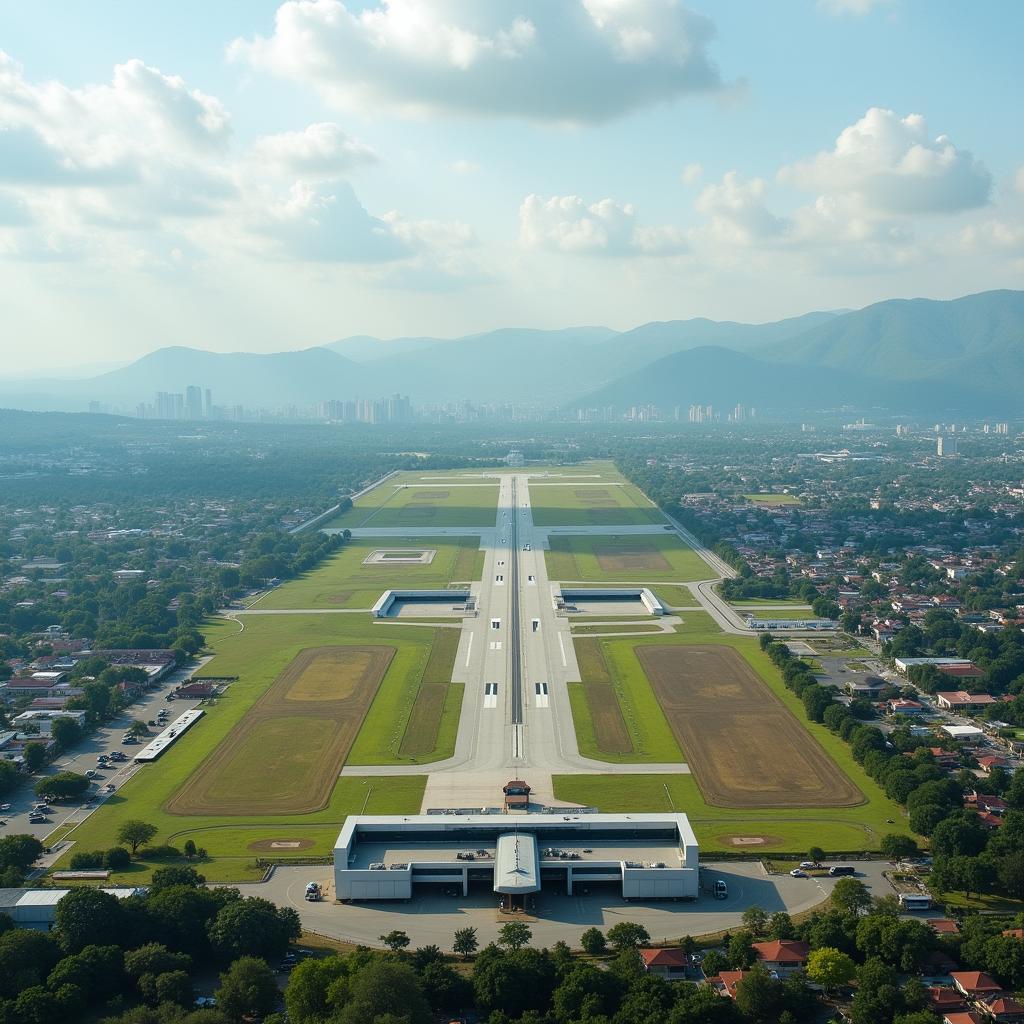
737,212
570,60
691,174
606,228
318,152
856,7
890,164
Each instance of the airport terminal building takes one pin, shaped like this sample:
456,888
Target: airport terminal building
649,856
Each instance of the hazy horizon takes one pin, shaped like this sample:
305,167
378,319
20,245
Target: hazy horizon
281,175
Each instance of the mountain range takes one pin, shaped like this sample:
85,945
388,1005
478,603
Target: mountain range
914,355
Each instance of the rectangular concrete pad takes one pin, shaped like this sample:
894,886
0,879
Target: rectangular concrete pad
743,745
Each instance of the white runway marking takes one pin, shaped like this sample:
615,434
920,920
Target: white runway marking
469,649
541,694
561,647
490,695
495,645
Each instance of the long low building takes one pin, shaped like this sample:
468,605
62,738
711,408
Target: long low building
651,856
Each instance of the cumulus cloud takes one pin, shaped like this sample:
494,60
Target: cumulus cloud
318,152
691,174
892,166
737,211
568,224
571,60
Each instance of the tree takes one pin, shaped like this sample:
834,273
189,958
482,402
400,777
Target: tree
138,728
247,988
851,896
62,786
395,940
65,732
627,935
135,833
386,991
176,874
253,927
780,926
117,858
816,854
593,942
897,847
740,951
514,935
35,756
714,963
466,942
154,958
758,996
19,851
87,917
830,968
189,849
755,920
175,987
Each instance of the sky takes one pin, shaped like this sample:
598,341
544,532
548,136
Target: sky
264,176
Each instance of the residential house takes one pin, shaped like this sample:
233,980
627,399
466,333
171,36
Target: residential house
1003,1009
902,706
943,926
960,700
975,984
942,999
726,982
670,963
783,956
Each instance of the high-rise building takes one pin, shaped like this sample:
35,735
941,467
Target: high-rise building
194,402
208,404
945,446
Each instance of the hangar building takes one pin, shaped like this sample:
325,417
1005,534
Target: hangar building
651,856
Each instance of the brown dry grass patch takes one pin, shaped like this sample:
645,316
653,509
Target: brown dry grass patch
633,556
744,746
284,756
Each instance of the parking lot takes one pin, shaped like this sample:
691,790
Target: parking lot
105,740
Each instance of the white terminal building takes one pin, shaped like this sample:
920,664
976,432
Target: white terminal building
650,856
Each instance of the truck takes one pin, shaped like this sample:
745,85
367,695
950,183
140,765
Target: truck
313,893
715,887
842,869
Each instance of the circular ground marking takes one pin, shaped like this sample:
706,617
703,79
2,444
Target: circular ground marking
281,845
750,840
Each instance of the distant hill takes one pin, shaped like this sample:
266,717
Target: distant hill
722,378
964,355
242,378
976,341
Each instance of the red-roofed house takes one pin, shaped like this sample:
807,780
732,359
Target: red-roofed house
726,982
670,964
986,819
194,689
959,700
990,761
943,926
961,671
902,706
976,984
945,1000
1004,1009
963,1017
1013,933
783,956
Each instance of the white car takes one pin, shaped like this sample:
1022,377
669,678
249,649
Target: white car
797,873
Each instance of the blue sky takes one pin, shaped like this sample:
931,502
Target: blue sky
268,176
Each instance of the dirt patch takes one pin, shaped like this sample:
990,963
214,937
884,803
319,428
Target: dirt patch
340,596
610,732
635,556
749,840
282,846
284,756
744,746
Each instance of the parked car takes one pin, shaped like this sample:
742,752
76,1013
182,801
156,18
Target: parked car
797,873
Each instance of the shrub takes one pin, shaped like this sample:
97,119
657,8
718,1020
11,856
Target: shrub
86,861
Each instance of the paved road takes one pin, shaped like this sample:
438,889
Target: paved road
83,758
434,918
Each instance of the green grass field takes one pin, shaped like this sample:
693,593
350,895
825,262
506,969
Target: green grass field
839,830
343,581
773,499
423,499
257,655
604,501
645,558
776,614
752,604
653,739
